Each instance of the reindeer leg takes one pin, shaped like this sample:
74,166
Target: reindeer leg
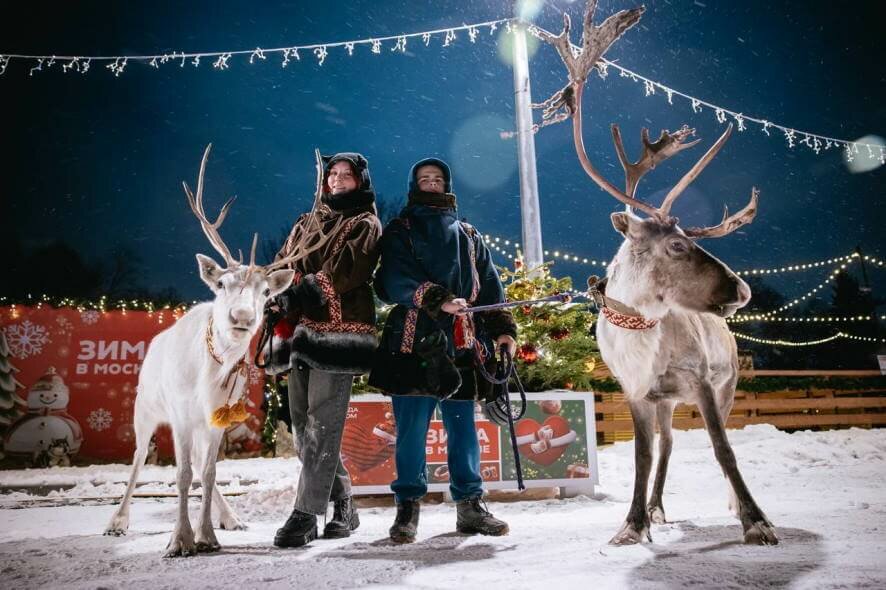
144,428
757,528
636,526
182,540
726,401
208,447
227,519
664,413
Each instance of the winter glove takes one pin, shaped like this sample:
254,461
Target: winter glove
287,306
441,377
308,293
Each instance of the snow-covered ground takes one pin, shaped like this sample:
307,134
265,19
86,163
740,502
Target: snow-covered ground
824,491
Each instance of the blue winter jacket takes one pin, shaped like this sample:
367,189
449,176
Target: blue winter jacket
428,257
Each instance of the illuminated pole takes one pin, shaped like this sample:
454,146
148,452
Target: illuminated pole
529,209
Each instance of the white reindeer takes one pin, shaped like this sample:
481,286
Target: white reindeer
192,369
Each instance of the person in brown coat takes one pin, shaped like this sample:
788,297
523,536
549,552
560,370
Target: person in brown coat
332,307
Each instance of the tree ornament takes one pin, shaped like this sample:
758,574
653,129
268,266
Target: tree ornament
528,353
558,333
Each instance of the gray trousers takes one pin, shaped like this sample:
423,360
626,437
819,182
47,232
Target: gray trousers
318,403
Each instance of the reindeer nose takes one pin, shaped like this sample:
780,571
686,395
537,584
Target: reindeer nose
242,315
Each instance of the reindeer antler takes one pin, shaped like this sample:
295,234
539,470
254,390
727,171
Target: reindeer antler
693,172
210,228
592,172
579,62
730,223
595,40
667,145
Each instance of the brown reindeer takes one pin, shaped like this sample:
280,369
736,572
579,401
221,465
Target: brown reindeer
662,330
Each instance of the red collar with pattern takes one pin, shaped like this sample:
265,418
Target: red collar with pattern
628,322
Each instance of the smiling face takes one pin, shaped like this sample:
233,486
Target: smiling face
341,178
240,296
677,271
430,179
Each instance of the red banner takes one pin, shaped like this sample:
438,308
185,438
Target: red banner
74,376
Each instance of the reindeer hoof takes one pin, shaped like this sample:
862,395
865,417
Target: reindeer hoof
761,533
208,547
232,524
629,535
656,514
179,546
114,532
117,526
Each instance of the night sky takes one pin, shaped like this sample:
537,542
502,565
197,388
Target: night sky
97,161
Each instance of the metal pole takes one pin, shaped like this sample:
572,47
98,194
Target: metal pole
529,209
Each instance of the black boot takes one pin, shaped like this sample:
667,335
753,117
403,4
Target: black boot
406,524
344,519
299,529
473,518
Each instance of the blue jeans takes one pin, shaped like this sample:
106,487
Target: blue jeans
413,416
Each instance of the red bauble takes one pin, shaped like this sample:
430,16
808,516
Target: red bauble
527,353
559,334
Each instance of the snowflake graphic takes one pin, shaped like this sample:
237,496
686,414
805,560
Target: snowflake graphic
99,419
65,327
26,339
89,317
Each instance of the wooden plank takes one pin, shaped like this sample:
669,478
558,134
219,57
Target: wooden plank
810,373
803,403
781,421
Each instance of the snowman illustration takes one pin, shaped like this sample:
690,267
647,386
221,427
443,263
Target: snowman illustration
46,421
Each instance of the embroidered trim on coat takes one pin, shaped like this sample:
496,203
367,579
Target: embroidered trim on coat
333,300
628,322
409,331
420,293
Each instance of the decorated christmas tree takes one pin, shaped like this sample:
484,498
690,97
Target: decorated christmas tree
11,404
556,347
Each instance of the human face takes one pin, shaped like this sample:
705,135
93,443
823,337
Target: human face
430,179
341,178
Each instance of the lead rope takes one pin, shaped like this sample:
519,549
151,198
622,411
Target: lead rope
499,409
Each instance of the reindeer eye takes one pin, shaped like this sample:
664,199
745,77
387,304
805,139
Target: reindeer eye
219,284
678,246
267,292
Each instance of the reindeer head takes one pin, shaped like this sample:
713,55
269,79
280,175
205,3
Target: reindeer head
668,266
241,290
668,269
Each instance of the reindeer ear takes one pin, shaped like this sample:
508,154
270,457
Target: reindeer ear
210,271
621,221
279,281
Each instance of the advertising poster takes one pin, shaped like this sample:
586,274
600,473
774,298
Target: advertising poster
556,444
69,378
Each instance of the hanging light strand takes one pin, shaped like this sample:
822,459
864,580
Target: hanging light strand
814,141
219,59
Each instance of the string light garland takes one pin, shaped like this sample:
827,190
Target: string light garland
497,243
793,137
162,311
838,335
220,59
802,319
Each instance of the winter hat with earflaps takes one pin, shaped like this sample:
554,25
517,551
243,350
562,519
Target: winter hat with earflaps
357,162
447,173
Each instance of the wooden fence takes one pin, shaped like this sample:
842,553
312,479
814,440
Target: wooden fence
787,409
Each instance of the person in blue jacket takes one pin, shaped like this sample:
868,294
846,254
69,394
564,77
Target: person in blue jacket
433,267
